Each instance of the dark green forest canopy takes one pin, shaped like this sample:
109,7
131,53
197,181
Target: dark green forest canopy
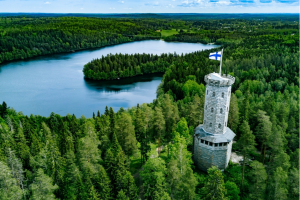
114,154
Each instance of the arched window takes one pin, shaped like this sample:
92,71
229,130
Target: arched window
225,124
221,110
214,94
219,126
207,92
222,94
210,124
212,110
206,107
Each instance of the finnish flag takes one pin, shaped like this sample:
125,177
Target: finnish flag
215,55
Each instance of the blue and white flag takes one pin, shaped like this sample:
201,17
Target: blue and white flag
215,55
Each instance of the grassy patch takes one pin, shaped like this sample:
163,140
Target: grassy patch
135,162
166,33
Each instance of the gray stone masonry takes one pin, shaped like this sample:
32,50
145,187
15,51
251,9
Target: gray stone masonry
213,139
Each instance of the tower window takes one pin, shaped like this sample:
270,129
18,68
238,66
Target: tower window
227,108
222,94
219,125
206,107
206,142
210,124
214,94
207,92
210,143
216,144
212,110
202,141
204,121
221,110
225,124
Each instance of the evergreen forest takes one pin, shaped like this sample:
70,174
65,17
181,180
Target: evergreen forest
145,152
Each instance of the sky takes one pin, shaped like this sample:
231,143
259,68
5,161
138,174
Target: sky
148,6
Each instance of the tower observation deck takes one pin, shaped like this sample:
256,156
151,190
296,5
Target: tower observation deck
213,139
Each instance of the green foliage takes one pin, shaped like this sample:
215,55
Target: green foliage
9,188
62,157
214,187
42,187
232,190
258,178
154,178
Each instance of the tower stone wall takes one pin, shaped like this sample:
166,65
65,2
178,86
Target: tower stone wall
213,139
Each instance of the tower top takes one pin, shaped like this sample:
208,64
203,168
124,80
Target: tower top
215,79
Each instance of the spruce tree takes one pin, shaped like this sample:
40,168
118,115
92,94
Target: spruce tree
122,196
214,187
103,184
258,177
93,194
69,189
112,120
106,112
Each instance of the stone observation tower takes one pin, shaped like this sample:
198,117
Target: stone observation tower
213,139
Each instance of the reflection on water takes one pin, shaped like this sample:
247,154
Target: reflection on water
124,84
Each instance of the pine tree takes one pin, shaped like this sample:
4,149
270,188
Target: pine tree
17,169
278,185
98,114
93,115
9,187
159,125
233,115
246,144
170,112
246,104
153,177
126,134
263,131
214,187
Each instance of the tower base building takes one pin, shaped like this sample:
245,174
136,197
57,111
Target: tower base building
213,139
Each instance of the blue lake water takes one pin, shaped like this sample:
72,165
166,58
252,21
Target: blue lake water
56,83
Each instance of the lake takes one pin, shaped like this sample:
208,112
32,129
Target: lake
55,83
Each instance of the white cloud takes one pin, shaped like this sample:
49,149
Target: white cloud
121,1
47,2
223,2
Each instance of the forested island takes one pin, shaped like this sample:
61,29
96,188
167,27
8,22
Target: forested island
145,152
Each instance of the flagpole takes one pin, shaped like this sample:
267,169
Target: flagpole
221,62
